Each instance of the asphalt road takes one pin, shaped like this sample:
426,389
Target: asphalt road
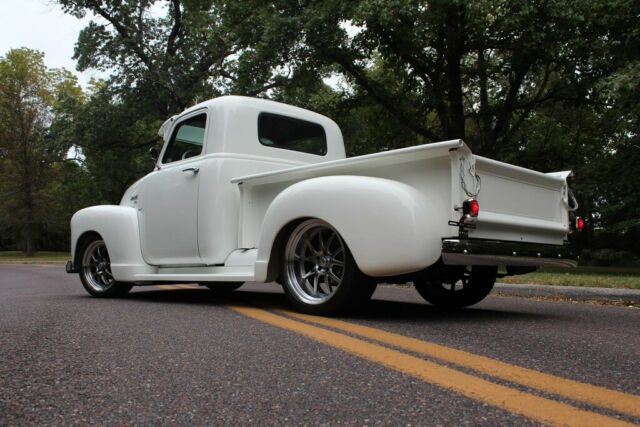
177,355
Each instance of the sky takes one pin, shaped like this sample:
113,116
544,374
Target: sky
41,25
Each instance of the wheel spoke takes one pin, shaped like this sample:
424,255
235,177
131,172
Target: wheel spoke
328,285
322,247
315,284
330,240
307,244
307,274
334,277
309,241
301,258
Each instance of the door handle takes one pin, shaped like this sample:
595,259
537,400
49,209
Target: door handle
194,170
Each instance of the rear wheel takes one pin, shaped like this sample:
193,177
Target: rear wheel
468,288
319,273
95,271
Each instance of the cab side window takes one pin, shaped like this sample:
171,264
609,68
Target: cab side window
187,139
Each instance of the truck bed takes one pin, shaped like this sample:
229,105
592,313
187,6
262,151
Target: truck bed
516,204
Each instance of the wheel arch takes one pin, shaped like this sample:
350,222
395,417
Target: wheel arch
82,240
118,227
277,249
361,209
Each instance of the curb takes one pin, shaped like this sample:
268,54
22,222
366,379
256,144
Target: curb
631,296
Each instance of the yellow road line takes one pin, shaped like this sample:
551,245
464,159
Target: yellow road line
516,401
168,287
188,287
599,396
176,287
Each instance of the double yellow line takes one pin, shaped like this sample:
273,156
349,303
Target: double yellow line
520,402
385,348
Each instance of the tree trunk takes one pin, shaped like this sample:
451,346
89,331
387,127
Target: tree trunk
29,249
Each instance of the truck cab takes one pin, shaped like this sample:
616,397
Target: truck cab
188,209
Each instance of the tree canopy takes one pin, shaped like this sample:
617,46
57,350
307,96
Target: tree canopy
34,103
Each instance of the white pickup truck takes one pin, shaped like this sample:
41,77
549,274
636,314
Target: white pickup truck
247,189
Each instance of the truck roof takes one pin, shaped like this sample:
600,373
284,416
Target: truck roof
234,114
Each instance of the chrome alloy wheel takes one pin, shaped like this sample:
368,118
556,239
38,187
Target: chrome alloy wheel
96,267
315,259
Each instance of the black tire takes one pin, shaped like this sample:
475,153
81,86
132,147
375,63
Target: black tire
319,273
470,289
95,271
223,286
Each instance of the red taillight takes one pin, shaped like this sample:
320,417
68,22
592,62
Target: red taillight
579,223
475,207
471,207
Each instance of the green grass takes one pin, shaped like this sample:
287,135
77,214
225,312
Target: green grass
600,277
43,256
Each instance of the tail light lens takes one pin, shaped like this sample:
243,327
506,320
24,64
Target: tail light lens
577,223
471,207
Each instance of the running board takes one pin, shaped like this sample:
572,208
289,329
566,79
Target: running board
199,274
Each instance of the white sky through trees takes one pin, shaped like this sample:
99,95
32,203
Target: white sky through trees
41,25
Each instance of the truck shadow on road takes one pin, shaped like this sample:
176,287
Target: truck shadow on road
378,308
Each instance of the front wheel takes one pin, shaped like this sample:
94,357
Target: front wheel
319,273
95,271
469,288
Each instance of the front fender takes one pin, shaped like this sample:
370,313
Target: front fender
118,226
387,225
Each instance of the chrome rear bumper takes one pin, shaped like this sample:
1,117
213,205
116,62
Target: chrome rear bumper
495,252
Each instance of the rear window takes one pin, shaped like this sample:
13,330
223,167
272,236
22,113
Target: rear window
291,134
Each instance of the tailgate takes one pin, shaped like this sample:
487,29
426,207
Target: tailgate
516,204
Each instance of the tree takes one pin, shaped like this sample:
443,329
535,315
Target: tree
114,137
31,97
447,69
192,52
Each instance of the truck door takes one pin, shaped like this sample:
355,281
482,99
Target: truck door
168,204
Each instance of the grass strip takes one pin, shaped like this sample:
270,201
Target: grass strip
592,280
42,256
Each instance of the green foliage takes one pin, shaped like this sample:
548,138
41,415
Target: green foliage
192,51
113,137
35,106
